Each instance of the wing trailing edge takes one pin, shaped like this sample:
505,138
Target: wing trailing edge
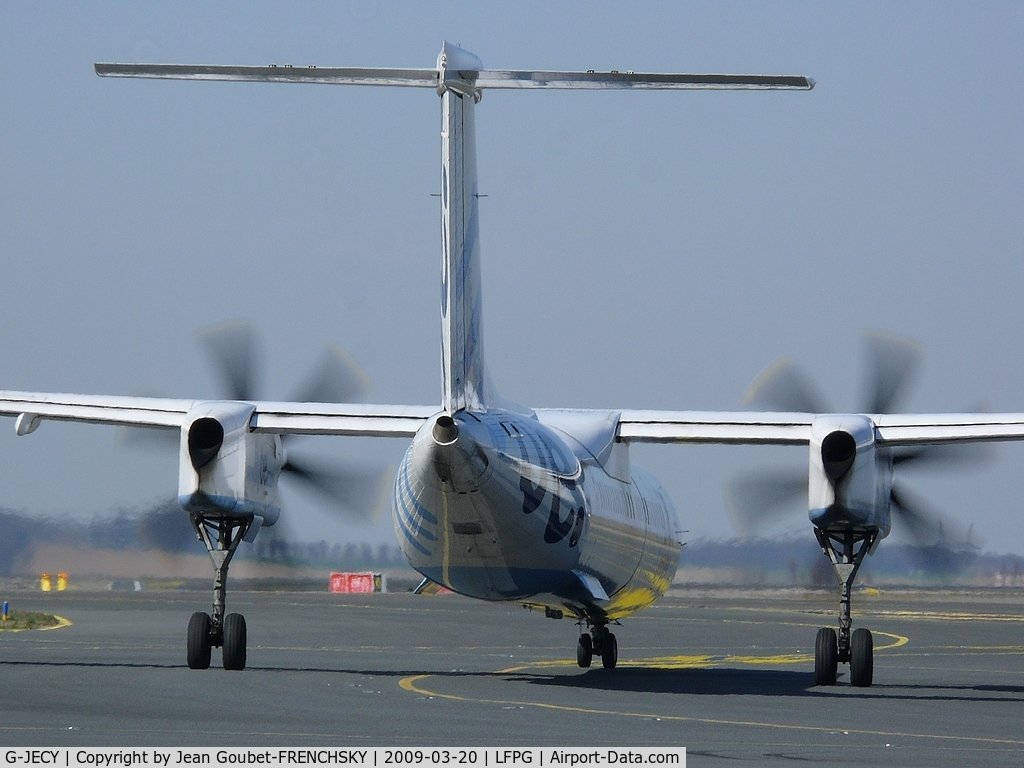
777,428
349,419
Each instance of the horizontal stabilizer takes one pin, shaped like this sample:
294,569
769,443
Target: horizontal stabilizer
599,80
431,78
427,78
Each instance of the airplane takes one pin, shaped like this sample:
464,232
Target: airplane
496,501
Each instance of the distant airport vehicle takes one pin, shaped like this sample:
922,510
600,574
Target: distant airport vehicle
494,500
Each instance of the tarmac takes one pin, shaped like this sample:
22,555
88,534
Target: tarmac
726,673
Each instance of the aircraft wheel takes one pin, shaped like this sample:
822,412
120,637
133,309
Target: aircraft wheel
198,643
609,651
584,651
862,663
826,657
234,641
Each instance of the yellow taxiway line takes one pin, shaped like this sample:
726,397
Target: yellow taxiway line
414,684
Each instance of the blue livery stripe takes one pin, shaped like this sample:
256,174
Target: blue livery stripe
409,519
412,539
423,511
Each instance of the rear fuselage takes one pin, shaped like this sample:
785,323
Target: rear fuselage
498,506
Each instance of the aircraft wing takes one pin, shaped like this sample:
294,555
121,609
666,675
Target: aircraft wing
642,426
355,419
93,409
776,428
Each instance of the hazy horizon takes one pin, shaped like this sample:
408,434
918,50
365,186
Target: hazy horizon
640,250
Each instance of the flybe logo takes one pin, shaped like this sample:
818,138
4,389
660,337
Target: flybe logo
537,475
534,496
549,479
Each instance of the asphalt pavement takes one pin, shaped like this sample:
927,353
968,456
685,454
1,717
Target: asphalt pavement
726,673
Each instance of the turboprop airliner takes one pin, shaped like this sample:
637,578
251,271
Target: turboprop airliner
492,500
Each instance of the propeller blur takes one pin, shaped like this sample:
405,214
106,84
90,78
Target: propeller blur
849,484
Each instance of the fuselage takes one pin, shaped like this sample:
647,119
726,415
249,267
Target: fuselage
499,506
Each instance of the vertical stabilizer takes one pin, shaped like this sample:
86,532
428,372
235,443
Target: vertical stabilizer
464,381
460,78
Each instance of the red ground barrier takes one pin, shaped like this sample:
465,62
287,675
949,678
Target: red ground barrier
356,582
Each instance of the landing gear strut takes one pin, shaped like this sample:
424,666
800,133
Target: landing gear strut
221,535
846,550
599,641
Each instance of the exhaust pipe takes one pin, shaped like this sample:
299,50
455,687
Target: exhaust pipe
205,437
457,458
838,451
445,431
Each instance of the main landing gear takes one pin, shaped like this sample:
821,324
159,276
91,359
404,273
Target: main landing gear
846,550
598,641
221,535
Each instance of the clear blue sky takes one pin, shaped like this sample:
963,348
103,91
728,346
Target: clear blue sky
640,249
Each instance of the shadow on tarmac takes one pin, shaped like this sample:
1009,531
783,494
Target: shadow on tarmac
719,682
757,682
693,682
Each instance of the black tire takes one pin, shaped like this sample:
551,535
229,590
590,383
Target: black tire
826,656
198,644
584,651
234,641
609,651
862,663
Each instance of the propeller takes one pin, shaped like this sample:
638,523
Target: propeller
354,490
762,497
166,529
892,363
336,378
359,489
234,351
783,386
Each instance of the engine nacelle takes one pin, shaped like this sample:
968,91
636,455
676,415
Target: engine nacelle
224,468
850,479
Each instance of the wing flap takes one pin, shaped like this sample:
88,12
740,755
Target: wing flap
737,428
351,419
944,428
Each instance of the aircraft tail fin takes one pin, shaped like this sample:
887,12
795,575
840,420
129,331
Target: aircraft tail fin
464,381
459,79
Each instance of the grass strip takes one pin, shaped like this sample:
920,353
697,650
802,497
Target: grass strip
18,620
